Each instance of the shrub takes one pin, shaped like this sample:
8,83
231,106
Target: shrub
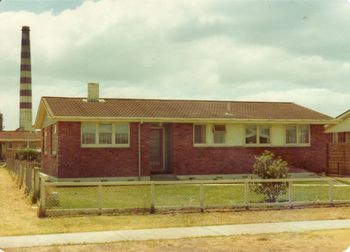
267,166
28,154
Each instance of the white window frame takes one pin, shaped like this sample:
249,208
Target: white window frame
297,136
335,137
257,136
221,132
96,144
54,135
205,135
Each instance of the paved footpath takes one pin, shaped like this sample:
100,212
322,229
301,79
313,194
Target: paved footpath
169,233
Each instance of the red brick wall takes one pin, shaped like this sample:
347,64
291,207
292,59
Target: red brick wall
72,161
75,161
49,161
225,160
341,137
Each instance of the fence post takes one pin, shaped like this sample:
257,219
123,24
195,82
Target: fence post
246,196
36,184
153,198
330,191
42,205
99,198
20,177
290,201
201,196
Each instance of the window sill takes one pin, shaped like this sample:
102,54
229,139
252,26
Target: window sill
297,145
258,145
105,145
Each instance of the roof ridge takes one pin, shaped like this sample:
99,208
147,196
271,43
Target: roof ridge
161,99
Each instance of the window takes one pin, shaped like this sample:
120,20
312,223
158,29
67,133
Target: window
257,134
88,133
219,134
335,138
250,134
122,133
297,134
303,134
46,141
264,134
199,134
291,134
54,139
105,134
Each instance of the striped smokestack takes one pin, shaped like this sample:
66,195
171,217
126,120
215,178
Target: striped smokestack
25,105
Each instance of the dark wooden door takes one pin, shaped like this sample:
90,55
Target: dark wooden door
156,150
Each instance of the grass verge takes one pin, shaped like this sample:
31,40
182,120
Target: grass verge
18,217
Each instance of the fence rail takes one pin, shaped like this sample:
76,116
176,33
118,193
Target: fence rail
149,196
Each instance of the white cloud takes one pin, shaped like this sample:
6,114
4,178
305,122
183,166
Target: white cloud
201,49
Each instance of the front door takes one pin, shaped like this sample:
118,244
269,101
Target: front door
156,150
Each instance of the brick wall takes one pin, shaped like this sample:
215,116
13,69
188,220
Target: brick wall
49,161
73,161
225,160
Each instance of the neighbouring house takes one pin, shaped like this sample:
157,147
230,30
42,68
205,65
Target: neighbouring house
12,140
96,137
339,148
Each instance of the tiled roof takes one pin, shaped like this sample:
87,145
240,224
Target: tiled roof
152,108
19,136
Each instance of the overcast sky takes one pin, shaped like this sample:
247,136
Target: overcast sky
273,50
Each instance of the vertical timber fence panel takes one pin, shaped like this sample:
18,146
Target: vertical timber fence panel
26,175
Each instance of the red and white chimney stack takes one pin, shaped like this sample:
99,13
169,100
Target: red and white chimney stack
25,105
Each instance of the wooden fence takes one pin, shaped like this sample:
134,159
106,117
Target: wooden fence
339,159
27,175
61,198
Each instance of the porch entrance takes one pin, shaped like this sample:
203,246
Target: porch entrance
160,148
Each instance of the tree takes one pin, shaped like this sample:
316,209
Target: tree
268,166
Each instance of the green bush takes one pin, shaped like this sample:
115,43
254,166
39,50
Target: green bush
268,166
29,155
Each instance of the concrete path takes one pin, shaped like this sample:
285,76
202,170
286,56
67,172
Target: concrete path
169,233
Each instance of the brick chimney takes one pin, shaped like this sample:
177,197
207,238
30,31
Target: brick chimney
93,92
25,105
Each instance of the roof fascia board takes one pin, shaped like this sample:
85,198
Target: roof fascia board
184,120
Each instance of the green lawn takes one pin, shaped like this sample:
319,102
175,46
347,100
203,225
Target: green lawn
182,196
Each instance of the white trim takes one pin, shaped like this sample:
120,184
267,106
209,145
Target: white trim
257,144
194,136
297,144
193,120
96,144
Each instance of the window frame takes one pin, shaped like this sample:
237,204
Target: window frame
205,135
221,132
54,139
297,143
257,126
97,133
46,141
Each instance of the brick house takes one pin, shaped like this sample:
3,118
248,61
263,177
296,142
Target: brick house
134,138
339,148
12,140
